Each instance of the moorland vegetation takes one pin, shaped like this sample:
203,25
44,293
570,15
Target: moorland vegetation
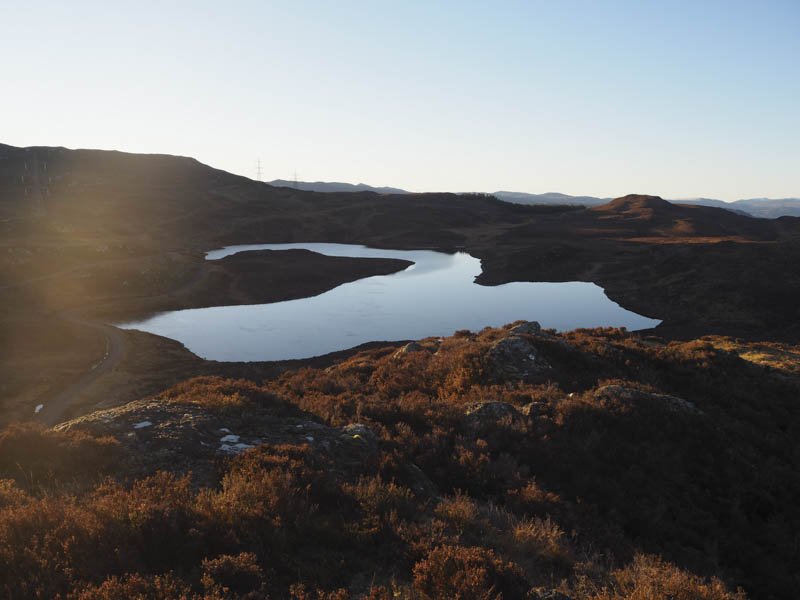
509,463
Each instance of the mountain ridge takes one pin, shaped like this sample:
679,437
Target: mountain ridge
769,208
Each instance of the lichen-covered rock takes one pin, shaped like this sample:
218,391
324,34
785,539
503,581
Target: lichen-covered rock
515,357
182,438
410,347
486,413
632,396
359,432
526,328
491,410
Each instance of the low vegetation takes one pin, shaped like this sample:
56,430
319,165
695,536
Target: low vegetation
607,467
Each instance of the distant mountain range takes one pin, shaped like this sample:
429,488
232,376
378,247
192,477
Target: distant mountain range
766,208
550,198
335,186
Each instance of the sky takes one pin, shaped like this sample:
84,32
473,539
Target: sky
680,99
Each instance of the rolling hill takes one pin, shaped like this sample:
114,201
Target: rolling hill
765,208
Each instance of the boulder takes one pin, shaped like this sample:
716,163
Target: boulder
492,412
182,438
515,357
410,347
357,432
527,327
631,396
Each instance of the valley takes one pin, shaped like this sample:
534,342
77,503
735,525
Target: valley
599,463
118,237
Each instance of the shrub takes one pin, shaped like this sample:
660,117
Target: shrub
221,395
138,587
10,495
651,578
543,538
239,575
379,499
36,457
458,573
459,510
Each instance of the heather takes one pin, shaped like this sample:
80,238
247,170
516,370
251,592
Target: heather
594,465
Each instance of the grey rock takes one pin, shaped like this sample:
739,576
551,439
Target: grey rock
632,396
191,438
420,483
527,327
492,410
359,432
410,347
515,357
492,413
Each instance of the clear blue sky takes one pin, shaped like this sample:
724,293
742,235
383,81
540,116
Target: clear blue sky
679,99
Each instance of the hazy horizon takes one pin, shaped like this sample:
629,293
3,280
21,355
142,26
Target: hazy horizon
290,182
684,100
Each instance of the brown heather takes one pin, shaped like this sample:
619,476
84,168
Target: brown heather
582,490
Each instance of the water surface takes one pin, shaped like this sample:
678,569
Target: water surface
435,296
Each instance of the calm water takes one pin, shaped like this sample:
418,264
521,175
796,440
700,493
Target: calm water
434,296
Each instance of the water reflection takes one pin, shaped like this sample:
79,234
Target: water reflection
435,296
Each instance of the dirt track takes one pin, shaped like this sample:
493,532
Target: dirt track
292,274
55,408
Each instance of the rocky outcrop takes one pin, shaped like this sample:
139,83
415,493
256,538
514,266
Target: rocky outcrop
485,413
516,356
527,328
359,433
182,438
633,397
493,411
410,347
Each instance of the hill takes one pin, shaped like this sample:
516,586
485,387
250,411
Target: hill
335,186
651,215
511,459
715,203
592,465
764,208
770,208
115,236
553,198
